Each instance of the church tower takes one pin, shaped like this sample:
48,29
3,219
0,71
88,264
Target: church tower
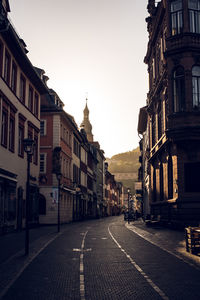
86,125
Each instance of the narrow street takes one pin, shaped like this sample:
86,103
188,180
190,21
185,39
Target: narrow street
98,259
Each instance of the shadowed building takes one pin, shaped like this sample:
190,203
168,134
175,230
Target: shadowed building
173,106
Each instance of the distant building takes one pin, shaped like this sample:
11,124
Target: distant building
125,176
173,107
144,170
100,180
114,194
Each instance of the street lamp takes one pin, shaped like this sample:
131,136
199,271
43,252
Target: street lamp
59,176
128,191
28,148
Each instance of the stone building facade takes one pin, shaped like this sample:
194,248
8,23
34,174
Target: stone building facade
173,107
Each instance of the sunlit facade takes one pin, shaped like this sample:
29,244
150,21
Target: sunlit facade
20,92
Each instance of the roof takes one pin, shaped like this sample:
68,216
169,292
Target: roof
18,48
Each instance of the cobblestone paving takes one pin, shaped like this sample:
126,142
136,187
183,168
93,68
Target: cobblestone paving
115,263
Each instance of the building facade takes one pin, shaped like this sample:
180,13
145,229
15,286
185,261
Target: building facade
55,160
20,92
100,180
114,194
173,107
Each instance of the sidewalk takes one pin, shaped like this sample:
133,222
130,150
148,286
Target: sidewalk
170,240
12,252
14,242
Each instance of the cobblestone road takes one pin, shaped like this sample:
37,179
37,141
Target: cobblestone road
97,260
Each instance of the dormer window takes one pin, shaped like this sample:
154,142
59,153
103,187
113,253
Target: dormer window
176,9
194,15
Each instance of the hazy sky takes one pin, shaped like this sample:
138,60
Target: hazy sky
92,48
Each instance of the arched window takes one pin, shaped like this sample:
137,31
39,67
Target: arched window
179,89
161,182
196,87
170,177
176,9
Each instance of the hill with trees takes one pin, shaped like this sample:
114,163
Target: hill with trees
127,162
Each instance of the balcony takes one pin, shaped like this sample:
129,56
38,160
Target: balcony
182,42
183,126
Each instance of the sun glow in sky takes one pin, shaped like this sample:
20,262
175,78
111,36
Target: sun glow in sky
93,49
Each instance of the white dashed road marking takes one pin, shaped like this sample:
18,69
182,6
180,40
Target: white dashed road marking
82,283
153,285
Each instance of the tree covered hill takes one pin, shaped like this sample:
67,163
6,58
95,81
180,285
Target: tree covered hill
126,162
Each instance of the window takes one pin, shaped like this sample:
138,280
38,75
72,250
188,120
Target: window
170,177
90,161
35,152
176,17
76,174
70,140
43,127
194,15
67,169
12,133
63,166
22,94
196,87
154,185
158,60
11,201
179,89
89,183
30,99
4,128
30,136
76,148
160,120
42,162
36,103
153,129
7,68
20,141
192,177
153,69
67,137
14,78
161,183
